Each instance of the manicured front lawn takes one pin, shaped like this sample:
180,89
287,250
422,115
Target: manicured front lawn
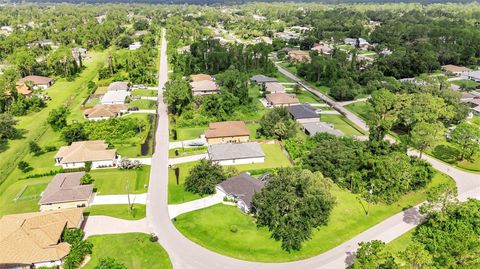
361,109
189,133
117,211
133,249
341,123
143,104
143,92
113,181
210,227
186,152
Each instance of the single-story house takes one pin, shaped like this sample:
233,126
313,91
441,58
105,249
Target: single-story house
261,79
273,87
33,240
474,75
299,56
241,189
114,97
135,46
236,153
312,128
38,82
65,191
322,48
455,69
103,112
118,86
78,153
281,99
201,77
286,35
303,113
474,104
204,87
227,132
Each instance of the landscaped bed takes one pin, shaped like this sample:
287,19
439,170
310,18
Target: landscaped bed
113,181
132,249
117,211
211,227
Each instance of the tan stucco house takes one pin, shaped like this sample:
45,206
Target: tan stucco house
227,132
78,153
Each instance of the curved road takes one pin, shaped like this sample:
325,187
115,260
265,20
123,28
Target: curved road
186,254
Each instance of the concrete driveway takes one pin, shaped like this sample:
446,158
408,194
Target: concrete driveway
175,210
97,225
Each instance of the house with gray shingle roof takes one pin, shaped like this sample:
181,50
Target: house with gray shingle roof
236,153
241,189
260,79
312,128
303,113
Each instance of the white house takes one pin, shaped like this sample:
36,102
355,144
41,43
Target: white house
236,153
78,153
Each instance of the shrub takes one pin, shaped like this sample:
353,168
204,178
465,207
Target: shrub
86,179
88,166
109,263
24,166
35,149
153,237
234,229
50,148
126,163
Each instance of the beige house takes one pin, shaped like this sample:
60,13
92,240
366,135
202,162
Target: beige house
32,240
455,69
65,191
322,48
78,153
273,87
38,82
204,87
201,77
299,56
281,99
227,132
103,112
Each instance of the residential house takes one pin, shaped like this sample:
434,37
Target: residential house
103,112
474,104
119,86
114,97
286,36
322,48
204,87
38,82
33,240
299,56
78,153
227,132
312,128
183,49
474,75
261,79
357,42
23,89
65,191
236,153
303,113
274,87
281,99
201,77
241,189
456,70
135,45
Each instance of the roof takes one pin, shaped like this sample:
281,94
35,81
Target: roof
226,129
23,89
322,48
302,111
118,86
274,87
200,77
455,68
320,127
116,96
243,187
34,237
204,85
229,151
37,80
104,111
281,98
84,151
66,187
262,79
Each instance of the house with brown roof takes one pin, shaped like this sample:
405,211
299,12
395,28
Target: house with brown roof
66,191
78,153
227,132
103,112
32,240
273,87
204,87
281,99
299,56
38,82
201,77
455,69
322,48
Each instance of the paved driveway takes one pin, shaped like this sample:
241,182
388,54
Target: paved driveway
175,210
97,225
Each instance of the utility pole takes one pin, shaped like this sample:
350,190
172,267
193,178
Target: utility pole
128,196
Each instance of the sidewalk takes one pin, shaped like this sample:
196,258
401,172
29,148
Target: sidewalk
175,210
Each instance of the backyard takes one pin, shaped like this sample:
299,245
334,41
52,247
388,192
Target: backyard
132,249
348,219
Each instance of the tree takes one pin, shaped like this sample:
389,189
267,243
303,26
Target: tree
384,114
235,82
424,135
416,257
124,41
467,137
7,127
292,204
140,24
344,90
109,263
74,132
79,248
35,149
372,255
440,198
24,166
57,118
203,177
86,179
25,59
277,123
178,95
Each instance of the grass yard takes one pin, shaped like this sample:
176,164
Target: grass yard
210,227
8,202
307,97
282,78
117,211
274,158
32,191
448,152
188,133
143,92
132,147
101,90
143,104
92,101
113,181
400,243
133,249
361,109
291,67
466,82
186,152
341,123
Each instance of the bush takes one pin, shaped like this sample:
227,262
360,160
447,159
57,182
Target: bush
24,166
35,149
88,166
50,148
86,179
126,163
49,173
234,229
109,263
153,237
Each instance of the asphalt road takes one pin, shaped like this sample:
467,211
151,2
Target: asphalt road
186,254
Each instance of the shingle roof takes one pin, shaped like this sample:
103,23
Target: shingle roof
282,98
274,87
455,68
118,86
204,85
104,111
262,79
243,187
320,127
303,111
34,237
83,151
226,129
65,187
219,152
201,77
37,80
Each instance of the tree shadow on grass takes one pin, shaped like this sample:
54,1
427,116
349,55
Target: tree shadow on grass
3,145
446,153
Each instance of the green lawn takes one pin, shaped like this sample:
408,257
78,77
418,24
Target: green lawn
210,227
186,152
143,92
143,104
361,109
133,249
113,181
188,133
466,82
307,97
131,147
341,123
400,243
117,211
32,191
291,67
274,158
282,78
